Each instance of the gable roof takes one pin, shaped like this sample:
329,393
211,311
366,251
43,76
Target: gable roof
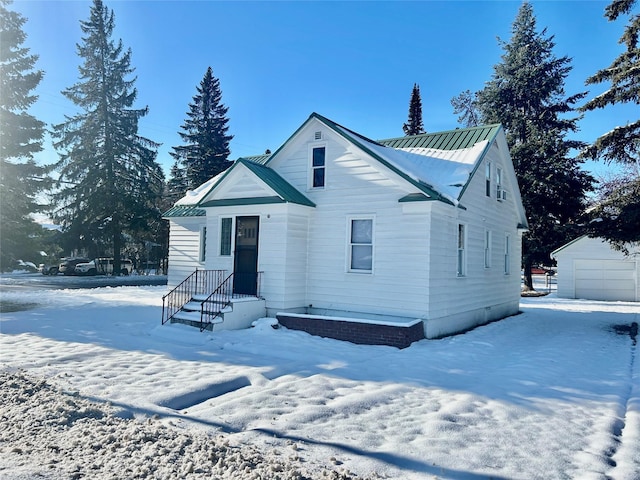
440,165
450,140
286,192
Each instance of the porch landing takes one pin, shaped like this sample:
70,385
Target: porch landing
357,328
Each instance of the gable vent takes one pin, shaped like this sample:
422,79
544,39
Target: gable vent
318,136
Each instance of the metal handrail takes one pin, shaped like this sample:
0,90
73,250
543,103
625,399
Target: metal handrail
222,297
198,283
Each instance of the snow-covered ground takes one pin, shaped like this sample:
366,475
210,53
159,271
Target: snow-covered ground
92,386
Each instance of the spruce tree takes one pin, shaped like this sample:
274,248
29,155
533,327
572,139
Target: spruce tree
526,95
617,212
110,181
466,106
205,151
21,179
414,124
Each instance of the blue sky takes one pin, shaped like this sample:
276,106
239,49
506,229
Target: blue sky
277,62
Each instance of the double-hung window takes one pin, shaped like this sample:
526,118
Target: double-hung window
462,256
507,254
318,167
487,179
361,245
500,193
225,236
487,249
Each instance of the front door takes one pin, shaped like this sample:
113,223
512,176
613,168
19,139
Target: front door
245,268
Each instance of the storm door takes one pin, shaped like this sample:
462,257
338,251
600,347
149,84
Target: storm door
245,269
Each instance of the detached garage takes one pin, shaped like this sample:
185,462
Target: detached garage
589,268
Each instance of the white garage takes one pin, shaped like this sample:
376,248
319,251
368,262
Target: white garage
589,268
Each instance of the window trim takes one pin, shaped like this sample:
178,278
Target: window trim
487,180
461,250
202,247
507,254
499,189
487,248
229,241
312,168
351,244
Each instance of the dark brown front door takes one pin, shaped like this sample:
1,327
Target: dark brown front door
245,270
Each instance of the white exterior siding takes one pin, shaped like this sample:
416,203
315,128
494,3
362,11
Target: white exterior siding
590,268
482,294
184,248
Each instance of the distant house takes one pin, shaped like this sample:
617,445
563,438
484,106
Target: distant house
590,268
369,241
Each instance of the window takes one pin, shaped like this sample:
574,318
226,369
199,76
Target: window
507,254
203,245
462,241
225,236
487,176
361,245
500,193
487,249
317,167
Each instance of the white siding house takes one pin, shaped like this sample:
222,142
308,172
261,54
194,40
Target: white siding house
589,268
423,229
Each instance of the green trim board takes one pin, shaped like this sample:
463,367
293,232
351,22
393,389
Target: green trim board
226,202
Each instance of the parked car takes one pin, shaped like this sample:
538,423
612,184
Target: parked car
45,269
542,270
103,266
68,265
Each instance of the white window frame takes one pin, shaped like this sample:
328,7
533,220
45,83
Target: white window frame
202,247
487,249
461,250
312,169
230,239
507,254
351,244
499,191
487,179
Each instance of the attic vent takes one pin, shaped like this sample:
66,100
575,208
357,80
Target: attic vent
318,136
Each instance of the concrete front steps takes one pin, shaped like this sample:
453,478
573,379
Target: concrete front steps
240,313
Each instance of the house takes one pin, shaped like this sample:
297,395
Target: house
370,241
590,268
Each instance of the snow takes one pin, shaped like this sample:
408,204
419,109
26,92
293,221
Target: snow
195,196
446,171
92,386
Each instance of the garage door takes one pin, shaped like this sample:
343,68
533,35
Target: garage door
605,280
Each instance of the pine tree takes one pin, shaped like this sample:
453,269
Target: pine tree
414,124
618,208
466,106
111,178
206,149
526,95
21,179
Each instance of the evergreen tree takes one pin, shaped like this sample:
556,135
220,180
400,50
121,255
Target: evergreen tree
466,105
526,95
205,151
618,210
414,124
112,181
21,179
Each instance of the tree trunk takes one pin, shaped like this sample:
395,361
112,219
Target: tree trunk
528,279
117,245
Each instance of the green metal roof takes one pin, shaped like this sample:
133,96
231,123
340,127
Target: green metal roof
450,140
184,211
277,183
259,159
